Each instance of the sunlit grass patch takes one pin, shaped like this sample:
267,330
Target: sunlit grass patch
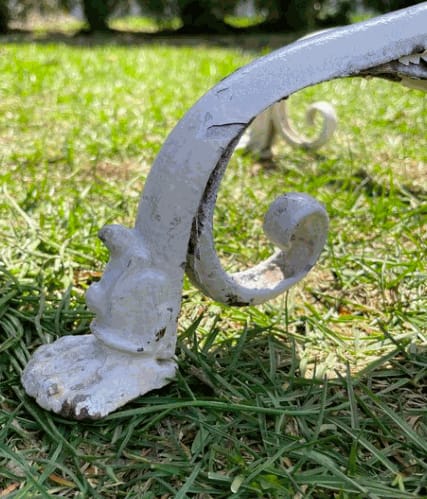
144,24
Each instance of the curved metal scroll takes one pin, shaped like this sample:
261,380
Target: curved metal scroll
137,301
292,137
196,153
259,137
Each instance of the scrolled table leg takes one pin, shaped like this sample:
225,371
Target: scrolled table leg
137,301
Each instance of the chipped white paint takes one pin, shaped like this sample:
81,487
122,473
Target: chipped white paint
274,122
137,300
418,59
414,58
83,378
295,223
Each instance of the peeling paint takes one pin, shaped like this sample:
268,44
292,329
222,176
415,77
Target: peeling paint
159,335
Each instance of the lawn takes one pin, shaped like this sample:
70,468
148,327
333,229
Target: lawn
319,393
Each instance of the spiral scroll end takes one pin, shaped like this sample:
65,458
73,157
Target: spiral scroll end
298,225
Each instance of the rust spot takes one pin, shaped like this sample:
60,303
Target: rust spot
68,409
233,301
159,335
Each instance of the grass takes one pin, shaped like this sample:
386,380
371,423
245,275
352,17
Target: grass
320,393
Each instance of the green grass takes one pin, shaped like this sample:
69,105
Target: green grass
320,393
144,24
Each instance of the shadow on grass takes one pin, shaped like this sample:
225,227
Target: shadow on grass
248,41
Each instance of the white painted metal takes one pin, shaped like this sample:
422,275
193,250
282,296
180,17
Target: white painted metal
295,223
137,300
329,124
274,121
